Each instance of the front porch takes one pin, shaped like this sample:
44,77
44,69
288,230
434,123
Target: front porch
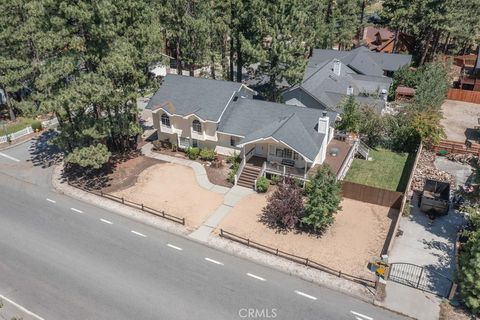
277,168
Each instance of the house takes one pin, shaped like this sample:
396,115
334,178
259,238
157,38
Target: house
223,116
383,40
331,76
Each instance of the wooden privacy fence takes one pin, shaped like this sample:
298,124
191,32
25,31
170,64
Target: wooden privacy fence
305,261
132,204
372,195
464,95
456,147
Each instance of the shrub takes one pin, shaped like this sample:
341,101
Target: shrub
323,199
274,179
233,172
157,145
469,272
192,152
36,125
234,158
285,206
207,154
262,184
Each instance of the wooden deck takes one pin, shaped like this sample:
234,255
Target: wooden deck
335,162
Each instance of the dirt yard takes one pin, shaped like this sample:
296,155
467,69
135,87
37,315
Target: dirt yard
459,118
174,189
357,235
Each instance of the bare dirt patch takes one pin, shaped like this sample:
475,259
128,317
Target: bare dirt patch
173,189
459,119
357,235
450,312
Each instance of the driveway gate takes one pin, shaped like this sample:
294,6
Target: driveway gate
422,278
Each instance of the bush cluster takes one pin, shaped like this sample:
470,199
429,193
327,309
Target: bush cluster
262,184
36,125
192,152
207,155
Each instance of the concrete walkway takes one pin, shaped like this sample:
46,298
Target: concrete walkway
231,195
428,243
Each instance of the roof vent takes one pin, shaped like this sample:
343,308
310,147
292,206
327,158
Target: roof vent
349,91
337,66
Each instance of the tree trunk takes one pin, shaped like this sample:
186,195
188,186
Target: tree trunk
445,46
11,113
232,48
178,57
361,27
425,49
239,58
395,41
224,58
436,40
212,66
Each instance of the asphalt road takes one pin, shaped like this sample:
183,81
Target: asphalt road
66,259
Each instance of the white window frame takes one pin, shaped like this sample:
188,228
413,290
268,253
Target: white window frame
197,126
165,120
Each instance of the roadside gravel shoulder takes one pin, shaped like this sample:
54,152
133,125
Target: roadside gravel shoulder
216,242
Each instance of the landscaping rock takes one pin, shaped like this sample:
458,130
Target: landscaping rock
426,170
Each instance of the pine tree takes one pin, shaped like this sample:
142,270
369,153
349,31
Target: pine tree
323,199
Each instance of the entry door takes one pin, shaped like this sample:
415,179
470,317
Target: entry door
260,150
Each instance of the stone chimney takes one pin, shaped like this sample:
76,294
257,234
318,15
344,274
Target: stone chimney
323,123
337,67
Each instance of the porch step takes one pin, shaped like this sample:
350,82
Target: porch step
248,176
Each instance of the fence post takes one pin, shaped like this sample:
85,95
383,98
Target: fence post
306,261
123,201
277,252
420,278
248,242
142,206
221,232
339,273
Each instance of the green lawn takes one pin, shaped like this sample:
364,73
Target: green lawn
387,170
19,124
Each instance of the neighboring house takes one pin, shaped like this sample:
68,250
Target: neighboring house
383,40
223,116
331,75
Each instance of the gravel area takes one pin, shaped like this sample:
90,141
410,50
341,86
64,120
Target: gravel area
459,118
174,189
357,235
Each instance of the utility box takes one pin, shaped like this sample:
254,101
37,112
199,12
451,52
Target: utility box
435,197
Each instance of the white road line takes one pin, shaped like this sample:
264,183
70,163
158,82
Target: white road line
138,233
214,261
303,294
76,210
174,247
36,316
9,157
256,277
361,316
106,221
52,201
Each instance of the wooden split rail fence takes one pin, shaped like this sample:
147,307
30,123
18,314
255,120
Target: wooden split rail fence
132,204
301,260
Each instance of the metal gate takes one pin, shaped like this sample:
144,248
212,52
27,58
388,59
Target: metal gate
422,278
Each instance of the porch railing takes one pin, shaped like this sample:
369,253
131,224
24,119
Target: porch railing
283,170
246,157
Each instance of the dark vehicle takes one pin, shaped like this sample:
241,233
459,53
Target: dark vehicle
435,197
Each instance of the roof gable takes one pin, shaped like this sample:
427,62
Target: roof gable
185,95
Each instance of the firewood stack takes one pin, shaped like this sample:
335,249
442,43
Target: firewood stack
426,170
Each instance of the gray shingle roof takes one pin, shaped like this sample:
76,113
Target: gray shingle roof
185,95
360,59
295,126
330,89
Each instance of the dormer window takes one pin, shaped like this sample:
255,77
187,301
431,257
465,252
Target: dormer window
165,120
197,126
